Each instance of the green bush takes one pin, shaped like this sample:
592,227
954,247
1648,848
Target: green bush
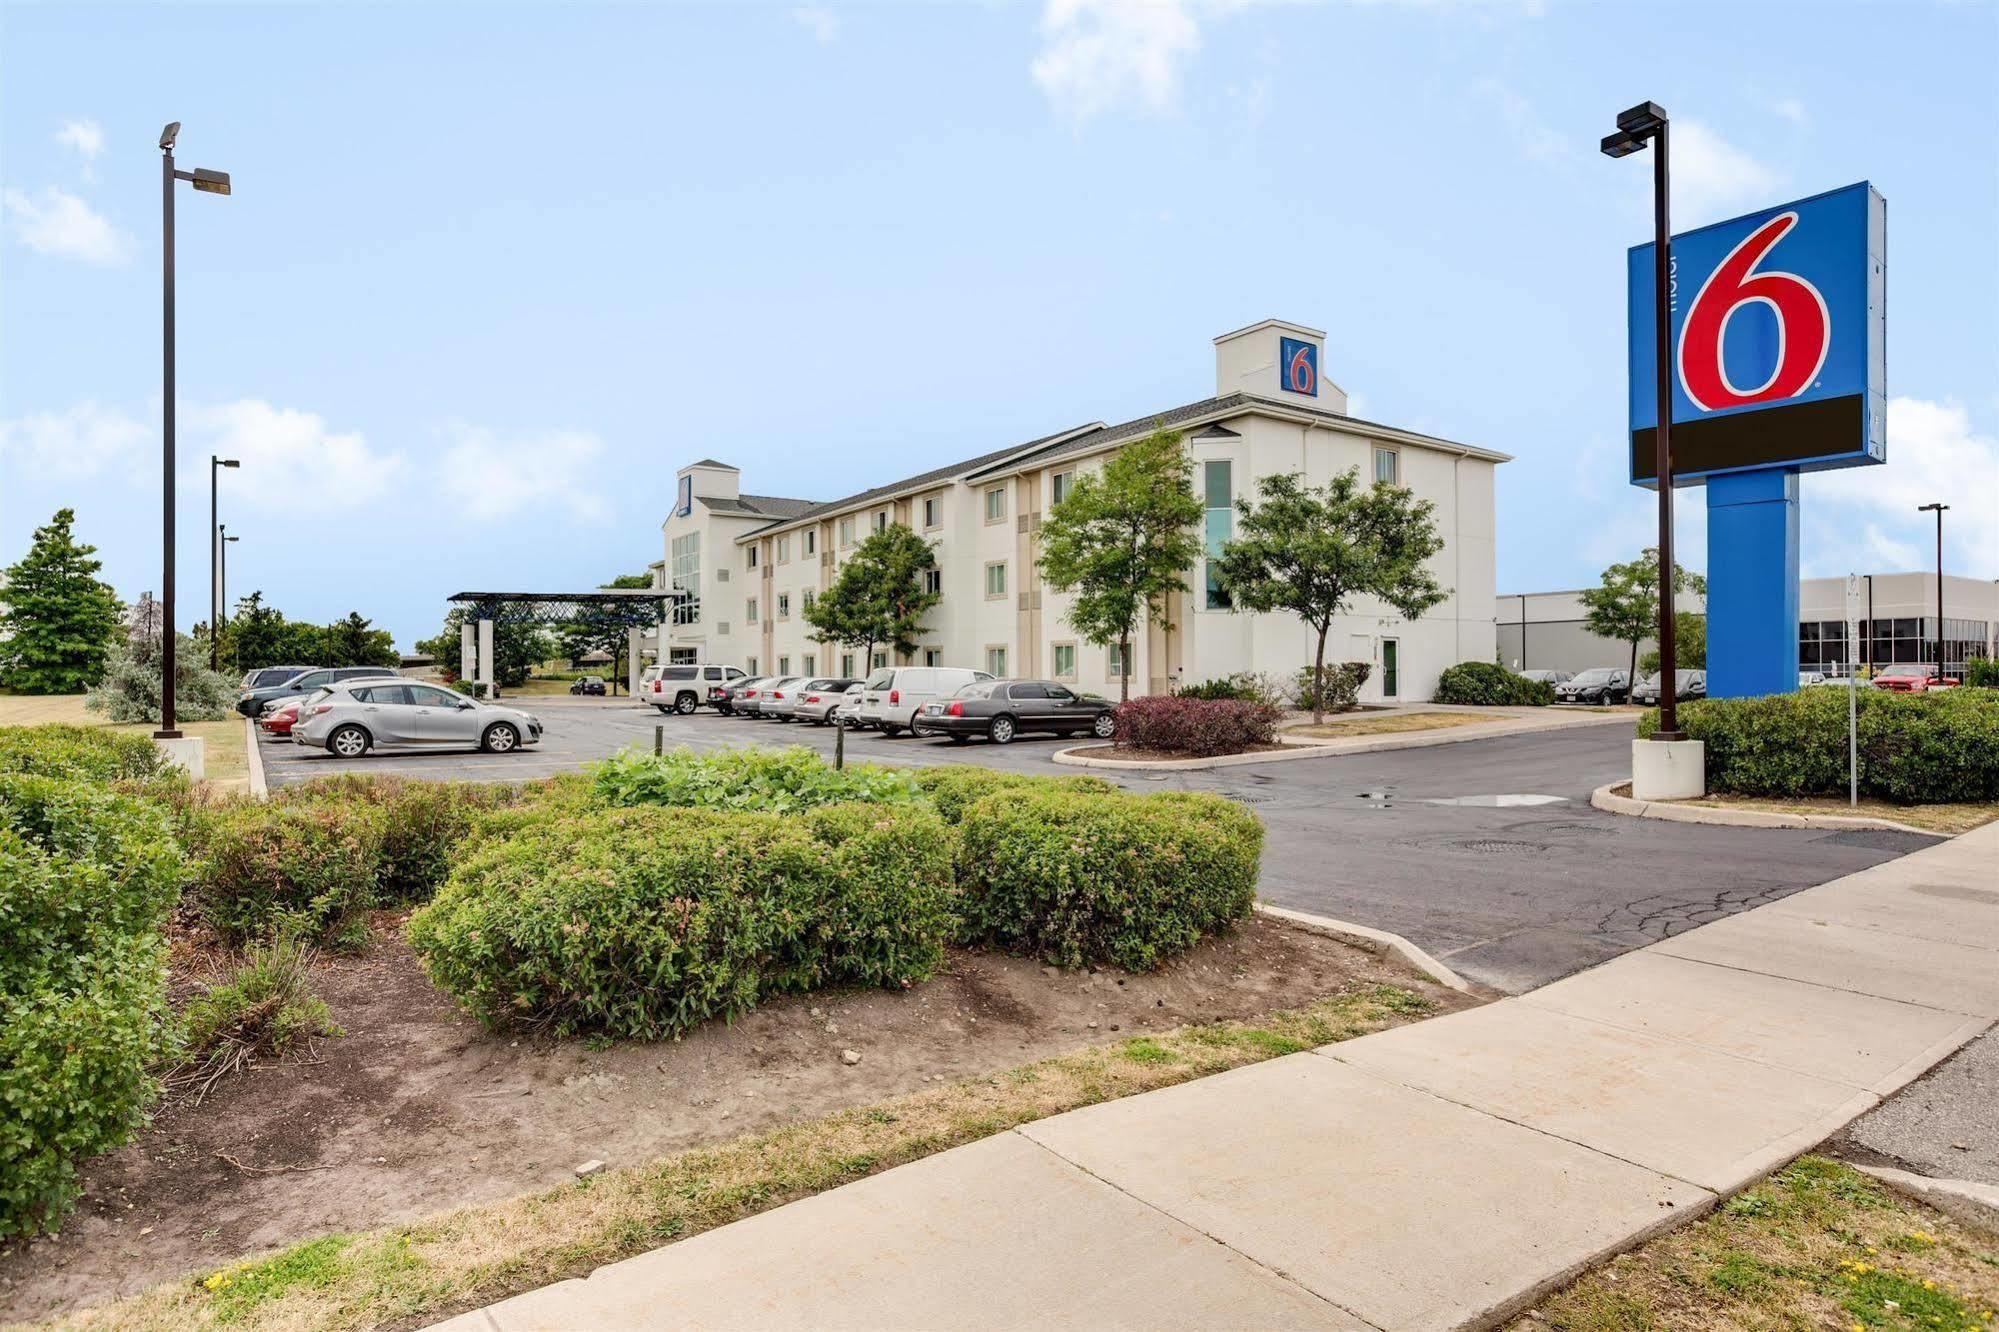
1982,673
776,781
1488,684
1242,687
1915,749
951,791
293,866
87,752
1338,690
87,877
1078,878
645,922
423,823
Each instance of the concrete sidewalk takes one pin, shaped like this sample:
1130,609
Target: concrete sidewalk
1439,1175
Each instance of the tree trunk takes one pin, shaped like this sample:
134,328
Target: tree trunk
1319,682
1631,676
1124,671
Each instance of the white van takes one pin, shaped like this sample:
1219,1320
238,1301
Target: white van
894,695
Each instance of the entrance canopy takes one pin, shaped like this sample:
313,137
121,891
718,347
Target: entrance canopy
631,605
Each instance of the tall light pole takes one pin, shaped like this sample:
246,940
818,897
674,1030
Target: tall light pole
208,182
1938,509
222,572
1644,123
215,557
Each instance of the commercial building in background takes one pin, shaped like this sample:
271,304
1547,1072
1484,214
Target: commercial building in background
1546,630
751,564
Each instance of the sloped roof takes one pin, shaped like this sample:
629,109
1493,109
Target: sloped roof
758,506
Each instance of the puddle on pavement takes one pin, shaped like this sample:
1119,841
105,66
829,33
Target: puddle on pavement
1501,801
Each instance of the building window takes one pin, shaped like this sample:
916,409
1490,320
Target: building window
810,599
881,661
810,661
996,579
750,557
996,661
933,581
1065,661
686,577
881,520
933,513
784,550
784,605
846,665
996,504
1114,661
1218,484
1059,487
846,532
784,665
933,656
750,664
811,540
1387,466
750,610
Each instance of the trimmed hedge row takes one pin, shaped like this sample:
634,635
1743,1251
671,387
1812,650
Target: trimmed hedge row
1194,726
87,877
89,753
775,781
1915,749
1488,684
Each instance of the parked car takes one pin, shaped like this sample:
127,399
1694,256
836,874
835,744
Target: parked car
280,717
1599,684
683,687
587,684
1913,679
1829,681
1546,677
253,701
351,717
271,675
757,701
848,714
726,697
1686,685
816,699
1001,709
894,696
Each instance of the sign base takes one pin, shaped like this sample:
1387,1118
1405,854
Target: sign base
1752,594
1668,769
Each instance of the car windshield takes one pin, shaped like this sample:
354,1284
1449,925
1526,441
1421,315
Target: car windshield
1601,675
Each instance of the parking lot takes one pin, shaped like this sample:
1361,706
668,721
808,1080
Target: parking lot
1511,893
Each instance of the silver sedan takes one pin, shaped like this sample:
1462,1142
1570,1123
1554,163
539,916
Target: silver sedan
350,718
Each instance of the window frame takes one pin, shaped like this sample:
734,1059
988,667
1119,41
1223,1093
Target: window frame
1394,455
993,493
992,593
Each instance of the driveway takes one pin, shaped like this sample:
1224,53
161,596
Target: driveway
1485,853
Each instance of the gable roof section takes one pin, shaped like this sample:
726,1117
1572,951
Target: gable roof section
758,506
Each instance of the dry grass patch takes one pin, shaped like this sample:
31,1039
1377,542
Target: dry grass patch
1818,1245
410,1275
228,762
1394,723
1950,819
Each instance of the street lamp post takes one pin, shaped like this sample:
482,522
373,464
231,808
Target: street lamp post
215,556
222,572
1642,123
1938,509
208,182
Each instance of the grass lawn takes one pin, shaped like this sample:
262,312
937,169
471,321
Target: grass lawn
1818,1245
1955,818
228,764
407,1276
1391,723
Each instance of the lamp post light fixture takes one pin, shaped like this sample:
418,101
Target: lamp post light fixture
1938,509
214,566
1642,124
208,182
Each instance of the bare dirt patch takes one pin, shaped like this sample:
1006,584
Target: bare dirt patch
418,1109
1395,723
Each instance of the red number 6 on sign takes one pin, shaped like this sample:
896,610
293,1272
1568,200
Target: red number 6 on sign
1804,328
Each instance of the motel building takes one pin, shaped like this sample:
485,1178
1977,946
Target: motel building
750,564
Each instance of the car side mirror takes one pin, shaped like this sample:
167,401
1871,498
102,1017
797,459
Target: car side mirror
466,705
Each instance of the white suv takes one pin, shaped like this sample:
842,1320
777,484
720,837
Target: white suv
681,688
894,695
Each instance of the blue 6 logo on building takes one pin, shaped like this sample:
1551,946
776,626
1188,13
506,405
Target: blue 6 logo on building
1299,366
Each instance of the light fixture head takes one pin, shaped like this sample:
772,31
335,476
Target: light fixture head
228,462
168,135
1621,144
1931,508
211,182
1643,118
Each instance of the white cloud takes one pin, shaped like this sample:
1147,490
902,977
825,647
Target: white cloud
78,442
86,136
1712,177
1099,56
1793,110
821,22
1934,456
56,222
492,477
291,458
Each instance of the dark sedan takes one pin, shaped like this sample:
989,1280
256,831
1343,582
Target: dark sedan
999,710
726,696
253,701
1600,684
1686,685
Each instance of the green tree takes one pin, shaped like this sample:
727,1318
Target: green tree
1122,540
1311,550
604,627
1624,606
1689,641
879,596
354,641
59,619
517,647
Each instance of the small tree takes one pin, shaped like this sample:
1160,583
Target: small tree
354,641
1689,641
1311,550
1122,540
1625,605
60,619
517,646
879,596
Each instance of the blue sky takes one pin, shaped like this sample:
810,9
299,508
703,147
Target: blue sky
491,273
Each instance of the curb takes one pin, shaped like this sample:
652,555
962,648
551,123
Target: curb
1366,934
258,789
1965,1199
1073,756
1606,799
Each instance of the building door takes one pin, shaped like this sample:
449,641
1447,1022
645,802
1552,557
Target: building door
1390,660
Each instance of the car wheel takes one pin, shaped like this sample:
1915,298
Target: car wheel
663,709
347,742
1104,726
500,738
1001,731
685,704
891,731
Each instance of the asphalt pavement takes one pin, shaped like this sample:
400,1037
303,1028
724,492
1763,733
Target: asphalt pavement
1486,854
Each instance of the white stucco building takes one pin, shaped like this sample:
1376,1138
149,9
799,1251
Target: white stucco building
752,562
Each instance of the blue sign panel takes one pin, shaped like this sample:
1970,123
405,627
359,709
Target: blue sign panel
1298,366
1779,341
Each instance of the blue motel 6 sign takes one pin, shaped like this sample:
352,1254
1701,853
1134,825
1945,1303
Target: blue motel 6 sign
1779,357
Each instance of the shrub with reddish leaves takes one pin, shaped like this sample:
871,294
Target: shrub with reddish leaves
1198,727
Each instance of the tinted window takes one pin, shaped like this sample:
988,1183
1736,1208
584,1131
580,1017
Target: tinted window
1060,695
1029,690
679,673
313,679
398,695
426,697
276,675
